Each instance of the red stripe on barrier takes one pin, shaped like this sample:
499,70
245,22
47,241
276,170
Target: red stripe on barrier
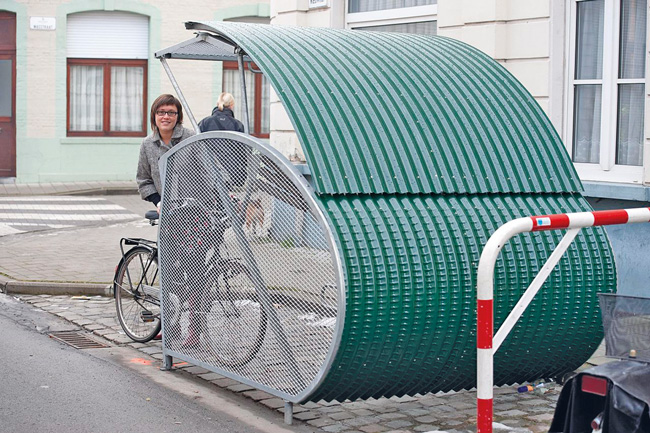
484,415
605,217
484,324
549,222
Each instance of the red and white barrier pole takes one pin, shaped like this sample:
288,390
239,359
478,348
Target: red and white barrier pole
486,342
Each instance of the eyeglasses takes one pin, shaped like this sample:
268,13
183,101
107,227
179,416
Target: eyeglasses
161,113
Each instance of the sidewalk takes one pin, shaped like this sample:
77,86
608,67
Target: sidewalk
76,188
78,260
68,272
450,412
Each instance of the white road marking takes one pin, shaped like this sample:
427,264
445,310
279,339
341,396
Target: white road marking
49,198
6,230
8,217
79,207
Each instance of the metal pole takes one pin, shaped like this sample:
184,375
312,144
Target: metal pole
186,107
242,80
485,340
288,412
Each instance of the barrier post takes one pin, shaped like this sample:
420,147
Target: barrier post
486,342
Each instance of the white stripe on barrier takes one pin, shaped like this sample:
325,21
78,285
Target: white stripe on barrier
582,219
639,215
484,360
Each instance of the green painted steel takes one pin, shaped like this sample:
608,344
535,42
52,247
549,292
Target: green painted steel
411,266
398,113
420,148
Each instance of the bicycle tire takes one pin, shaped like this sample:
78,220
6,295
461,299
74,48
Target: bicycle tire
137,294
234,326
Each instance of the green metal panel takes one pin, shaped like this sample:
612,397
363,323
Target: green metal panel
398,113
411,266
420,148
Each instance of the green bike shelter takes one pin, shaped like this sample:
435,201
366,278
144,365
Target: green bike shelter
419,148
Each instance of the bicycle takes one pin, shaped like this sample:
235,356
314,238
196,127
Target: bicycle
227,302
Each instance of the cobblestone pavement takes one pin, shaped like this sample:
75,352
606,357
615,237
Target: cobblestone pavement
450,412
78,259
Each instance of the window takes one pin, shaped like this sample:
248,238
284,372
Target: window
607,93
106,98
258,97
377,5
107,74
404,16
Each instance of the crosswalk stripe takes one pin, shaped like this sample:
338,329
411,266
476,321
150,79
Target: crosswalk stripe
49,198
8,217
77,207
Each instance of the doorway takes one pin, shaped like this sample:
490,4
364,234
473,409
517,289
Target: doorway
7,95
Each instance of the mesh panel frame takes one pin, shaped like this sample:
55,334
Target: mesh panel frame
626,322
250,281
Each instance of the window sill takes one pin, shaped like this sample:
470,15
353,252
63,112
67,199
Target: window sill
617,191
101,140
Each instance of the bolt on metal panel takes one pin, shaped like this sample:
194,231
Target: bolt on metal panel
249,282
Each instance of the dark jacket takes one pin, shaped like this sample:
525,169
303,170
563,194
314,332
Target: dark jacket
221,121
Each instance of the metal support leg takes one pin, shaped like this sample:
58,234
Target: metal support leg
168,362
288,412
181,98
244,102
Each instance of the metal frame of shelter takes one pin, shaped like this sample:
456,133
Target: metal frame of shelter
207,46
414,164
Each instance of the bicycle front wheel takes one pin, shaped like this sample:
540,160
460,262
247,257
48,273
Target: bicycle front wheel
235,324
137,294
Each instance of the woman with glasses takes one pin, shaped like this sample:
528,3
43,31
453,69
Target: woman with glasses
167,131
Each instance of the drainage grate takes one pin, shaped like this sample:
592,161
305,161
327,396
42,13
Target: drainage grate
77,339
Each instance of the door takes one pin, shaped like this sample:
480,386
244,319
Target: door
7,94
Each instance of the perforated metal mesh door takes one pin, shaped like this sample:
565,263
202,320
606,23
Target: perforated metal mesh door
249,280
626,320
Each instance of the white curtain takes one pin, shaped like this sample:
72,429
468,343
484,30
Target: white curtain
378,5
86,98
629,143
232,84
126,98
266,105
586,124
421,28
588,66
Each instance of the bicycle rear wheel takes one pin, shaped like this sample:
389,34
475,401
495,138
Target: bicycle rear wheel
137,294
235,324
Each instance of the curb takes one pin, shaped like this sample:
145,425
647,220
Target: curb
9,286
101,191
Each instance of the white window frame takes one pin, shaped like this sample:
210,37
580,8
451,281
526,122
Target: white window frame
386,17
606,170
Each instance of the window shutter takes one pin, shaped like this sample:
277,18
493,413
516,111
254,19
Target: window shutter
108,35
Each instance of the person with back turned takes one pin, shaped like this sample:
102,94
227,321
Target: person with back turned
222,118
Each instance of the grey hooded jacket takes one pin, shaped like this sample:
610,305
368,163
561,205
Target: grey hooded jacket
152,148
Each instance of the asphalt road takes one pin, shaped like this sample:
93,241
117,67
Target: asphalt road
48,386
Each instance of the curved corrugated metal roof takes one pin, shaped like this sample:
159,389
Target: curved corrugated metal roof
411,266
399,113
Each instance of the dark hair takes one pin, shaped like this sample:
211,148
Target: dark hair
165,99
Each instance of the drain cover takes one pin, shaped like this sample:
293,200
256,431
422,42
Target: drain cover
77,339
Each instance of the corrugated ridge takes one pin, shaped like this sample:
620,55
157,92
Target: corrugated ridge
448,119
411,280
